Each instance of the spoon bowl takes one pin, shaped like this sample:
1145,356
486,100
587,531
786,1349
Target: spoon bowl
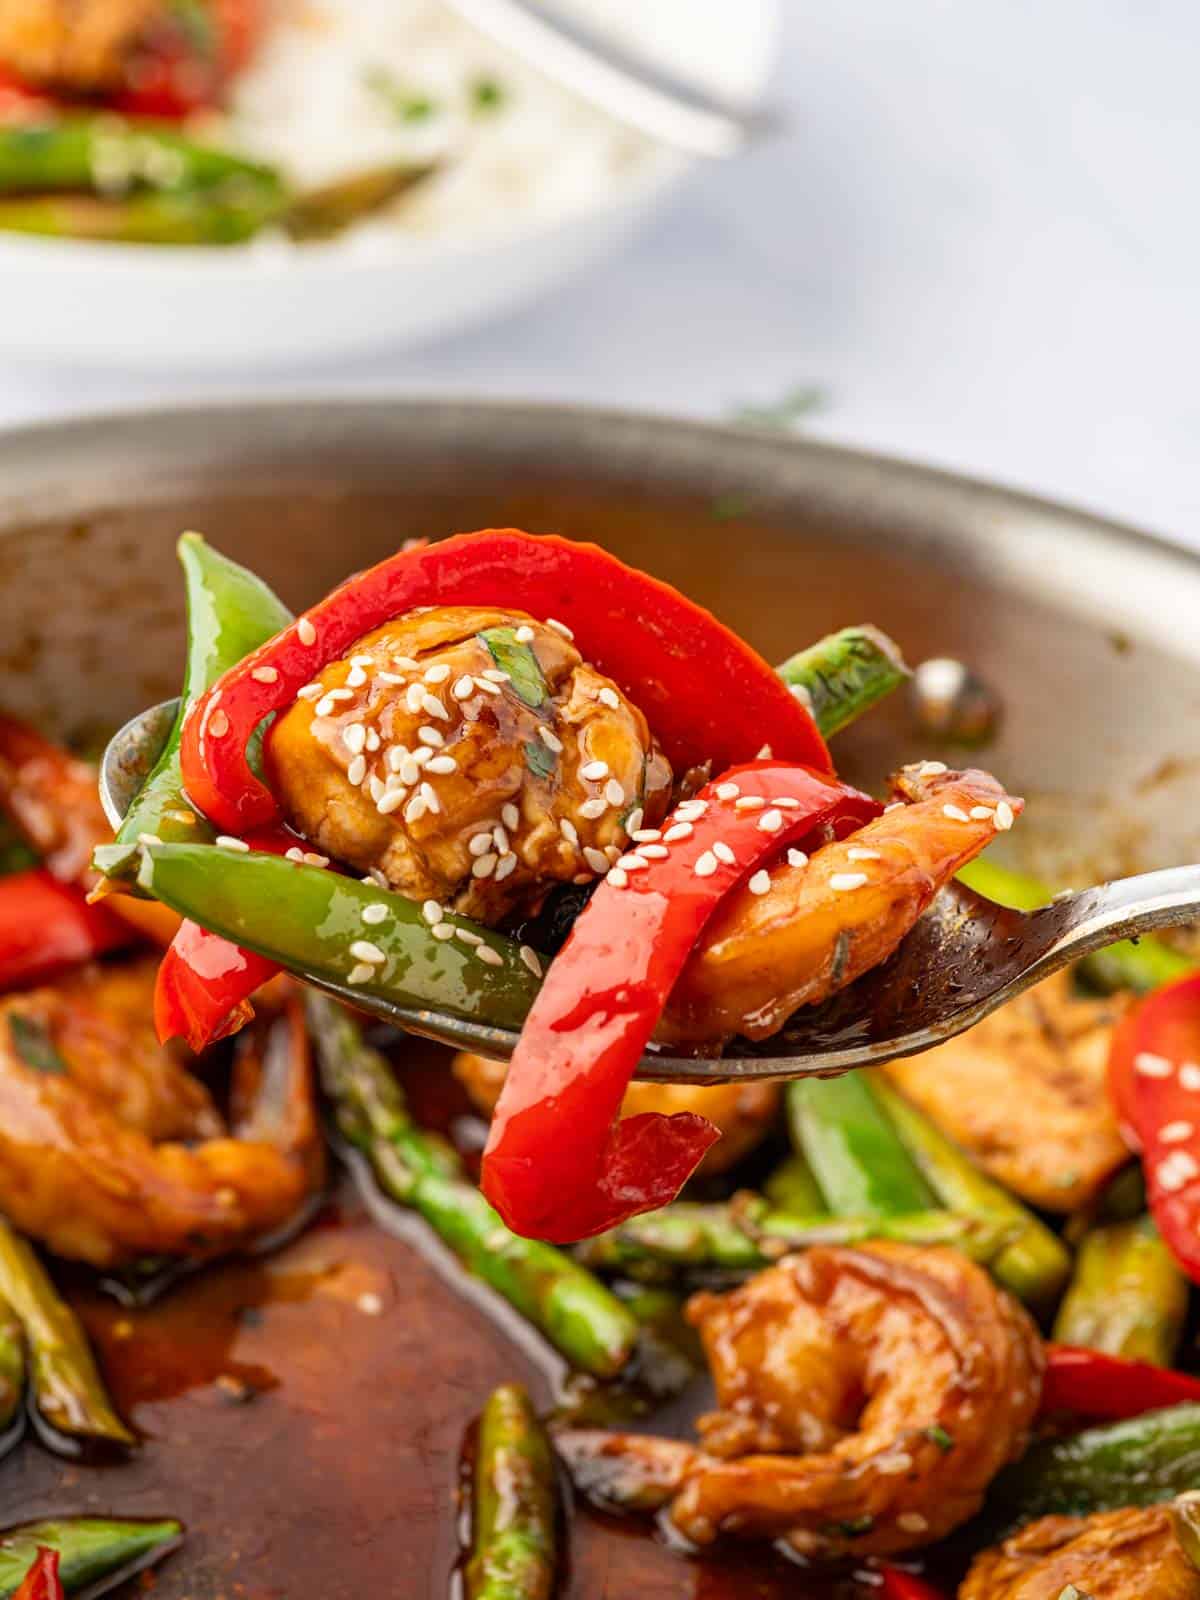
965,957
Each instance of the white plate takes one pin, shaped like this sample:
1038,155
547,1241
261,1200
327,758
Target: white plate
159,309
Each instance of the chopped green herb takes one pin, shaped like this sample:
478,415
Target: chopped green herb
940,1437
406,105
487,95
195,21
519,661
538,759
32,1042
795,405
854,1529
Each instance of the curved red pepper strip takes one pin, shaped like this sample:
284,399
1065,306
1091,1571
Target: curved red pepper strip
42,1581
558,1165
897,1585
706,694
47,926
1154,1077
1092,1384
204,982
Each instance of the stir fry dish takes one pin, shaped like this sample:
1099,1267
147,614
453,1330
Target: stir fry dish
920,1330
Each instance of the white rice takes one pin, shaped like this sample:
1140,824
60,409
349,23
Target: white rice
343,85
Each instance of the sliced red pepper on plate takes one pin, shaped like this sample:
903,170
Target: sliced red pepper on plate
558,1165
1154,1080
1092,1384
705,693
47,927
42,1581
898,1585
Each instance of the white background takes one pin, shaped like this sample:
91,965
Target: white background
980,238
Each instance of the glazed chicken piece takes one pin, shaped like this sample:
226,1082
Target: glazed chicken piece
471,757
827,919
111,1151
1115,1555
743,1112
867,1398
1024,1093
76,45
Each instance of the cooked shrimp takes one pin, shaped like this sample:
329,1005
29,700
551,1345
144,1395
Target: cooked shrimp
868,1397
79,45
1025,1093
1116,1555
763,956
110,1151
743,1112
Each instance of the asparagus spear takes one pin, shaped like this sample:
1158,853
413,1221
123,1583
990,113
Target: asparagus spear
514,1539
859,1161
572,1309
844,674
792,1187
1141,964
1127,1297
68,1391
228,213
1036,1263
325,212
105,155
95,1553
12,1367
779,1232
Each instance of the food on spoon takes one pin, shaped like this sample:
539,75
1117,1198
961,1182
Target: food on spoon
867,1398
1024,1093
1115,1555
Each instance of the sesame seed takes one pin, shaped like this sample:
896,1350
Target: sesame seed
1152,1066
896,805
481,843
614,793
226,841
559,627
510,817
487,687
981,813
429,795
265,675
377,878
356,677
786,803
691,810
489,957
892,1466
654,852
310,691
217,725
312,859
324,707
406,663
727,791
433,913
415,809
770,821
643,834
433,707
393,679
375,913
633,862
749,802
1004,817
568,830
363,972
373,740
677,831
797,858
857,853
1176,1170
409,770
618,877
483,866
294,854
723,853
362,661
549,738
955,814
186,819
305,631
430,736
414,698
442,932
500,837
1176,1132
912,1522
525,634
596,859
705,865
611,851
610,698
496,675
591,809
932,769
593,771
443,766
760,882
634,821
843,882
466,935
391,800
437,673
530,958
357,770
148,838
765,753
364,950
1189,1076
464,688
506,864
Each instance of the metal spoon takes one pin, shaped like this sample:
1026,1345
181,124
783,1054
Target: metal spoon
632,90
965,957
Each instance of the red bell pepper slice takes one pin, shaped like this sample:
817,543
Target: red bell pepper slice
1092,1384
47,926
898,1585
42,1581
558,1165
706,694
1154,1078
179,71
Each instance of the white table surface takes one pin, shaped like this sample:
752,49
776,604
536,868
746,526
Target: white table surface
981,239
